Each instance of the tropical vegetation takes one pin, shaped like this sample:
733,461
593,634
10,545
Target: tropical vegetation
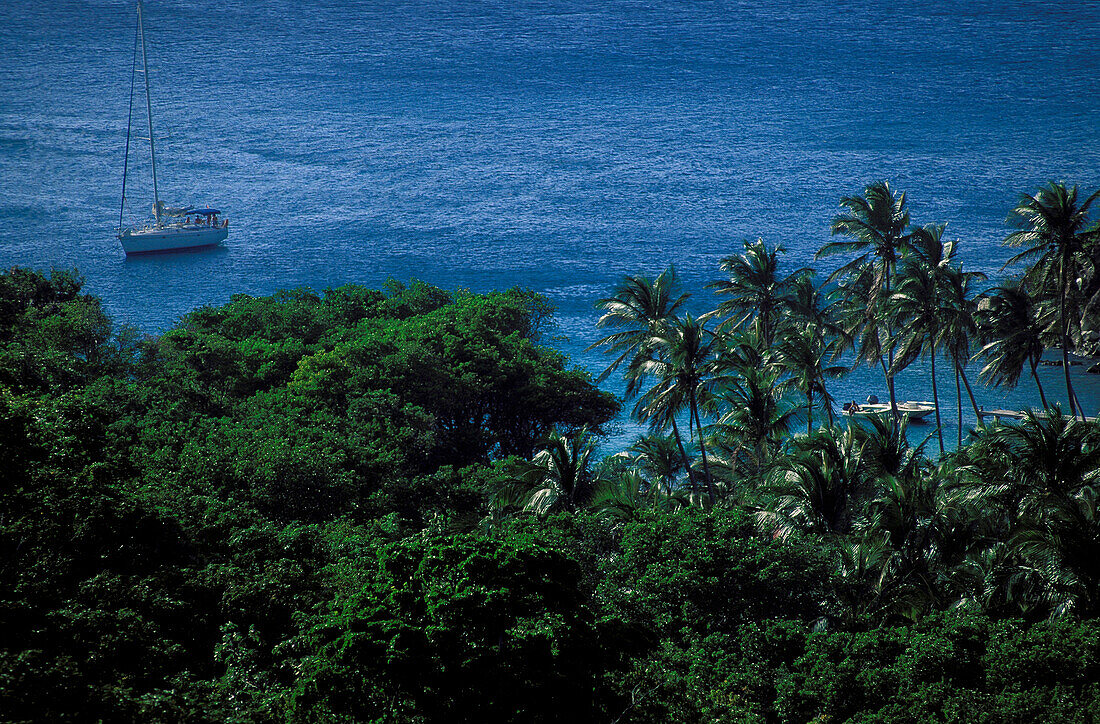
396,505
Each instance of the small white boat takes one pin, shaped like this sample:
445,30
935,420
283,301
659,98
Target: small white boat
200,228
172,229
915,411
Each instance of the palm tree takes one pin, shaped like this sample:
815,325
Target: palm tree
755,288
623,496
949,286
641,306
561,474
903,517
885,449
1049,491
511,495
815,487
903,508
680,358
876,225
981,579
811,339
657,458
810,305
959,328
1012,332
976,504
802,353
861,565
865,334
757,413
917,312
1055,228
894,556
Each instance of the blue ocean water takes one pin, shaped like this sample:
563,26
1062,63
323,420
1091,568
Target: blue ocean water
555,144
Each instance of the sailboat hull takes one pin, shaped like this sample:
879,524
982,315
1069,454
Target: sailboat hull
182,238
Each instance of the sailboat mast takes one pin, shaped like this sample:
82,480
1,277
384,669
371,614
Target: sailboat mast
149,114
129,128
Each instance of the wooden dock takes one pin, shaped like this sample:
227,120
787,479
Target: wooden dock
1018,415
1010,414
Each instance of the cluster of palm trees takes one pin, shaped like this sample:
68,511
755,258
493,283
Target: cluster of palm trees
1008,524
722,391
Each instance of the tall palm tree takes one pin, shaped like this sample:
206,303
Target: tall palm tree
818,339
1009,325
803,354
640,306
757,411
953,299
960,327
679,357
1056,229
755,289
917,312
876,226
810,304
865,334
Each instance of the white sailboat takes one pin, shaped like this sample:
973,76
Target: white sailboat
172,229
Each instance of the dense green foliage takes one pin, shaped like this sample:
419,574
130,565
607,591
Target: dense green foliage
186,521
390,505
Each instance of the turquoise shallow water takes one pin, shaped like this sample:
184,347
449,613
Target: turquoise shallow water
555,145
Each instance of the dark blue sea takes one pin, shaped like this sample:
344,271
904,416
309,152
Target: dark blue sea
554,145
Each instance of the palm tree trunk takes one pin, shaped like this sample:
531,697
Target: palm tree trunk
890,351
1064,336
958,405
936,401
702,449
1038,384
890,387
683,452
826,404
810,412
1080,407
893,396
969,391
